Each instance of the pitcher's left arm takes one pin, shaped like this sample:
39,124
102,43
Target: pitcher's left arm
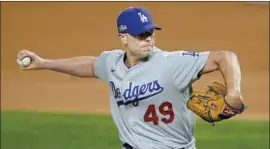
227,63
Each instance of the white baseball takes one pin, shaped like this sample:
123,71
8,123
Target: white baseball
24,62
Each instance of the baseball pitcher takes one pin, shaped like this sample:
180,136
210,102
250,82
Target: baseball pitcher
151,96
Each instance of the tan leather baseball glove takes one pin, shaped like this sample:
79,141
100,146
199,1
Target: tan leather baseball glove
211,105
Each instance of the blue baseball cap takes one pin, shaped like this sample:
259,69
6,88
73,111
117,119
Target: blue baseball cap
135,21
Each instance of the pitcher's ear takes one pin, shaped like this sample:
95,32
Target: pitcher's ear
123,38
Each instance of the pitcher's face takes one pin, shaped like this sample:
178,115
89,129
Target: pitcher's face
140,45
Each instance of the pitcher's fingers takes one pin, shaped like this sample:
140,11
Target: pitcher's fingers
26,54
22,54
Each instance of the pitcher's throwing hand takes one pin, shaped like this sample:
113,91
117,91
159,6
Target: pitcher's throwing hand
36,62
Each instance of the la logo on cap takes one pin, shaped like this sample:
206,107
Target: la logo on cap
143,17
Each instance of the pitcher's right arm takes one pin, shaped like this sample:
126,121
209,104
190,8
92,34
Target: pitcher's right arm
81,66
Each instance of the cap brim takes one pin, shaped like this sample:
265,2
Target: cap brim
145,29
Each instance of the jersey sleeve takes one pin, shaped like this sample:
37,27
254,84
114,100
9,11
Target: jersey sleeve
100,66
187,66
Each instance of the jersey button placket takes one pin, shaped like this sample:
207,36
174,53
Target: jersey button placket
124,85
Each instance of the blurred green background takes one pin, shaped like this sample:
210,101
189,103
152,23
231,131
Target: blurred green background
37,130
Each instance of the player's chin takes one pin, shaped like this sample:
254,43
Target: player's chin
144,54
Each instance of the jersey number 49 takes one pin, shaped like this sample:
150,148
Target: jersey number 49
164,108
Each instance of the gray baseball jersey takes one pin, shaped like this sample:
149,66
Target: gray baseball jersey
148,101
